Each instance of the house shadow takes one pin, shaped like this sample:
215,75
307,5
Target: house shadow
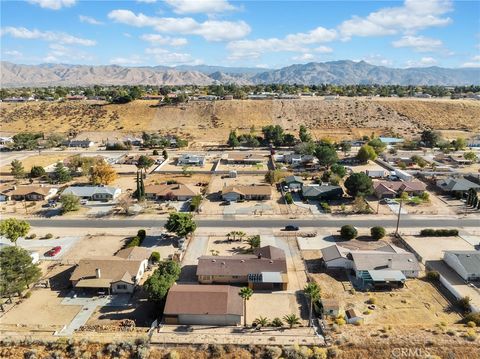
302,301
188,274
214,197
366,239
61,281
143,313
159,241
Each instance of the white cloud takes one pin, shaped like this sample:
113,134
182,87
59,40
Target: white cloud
211,30
292,43
304,57
475,62
60,53
157,39
89,20
147,1
197,6
323,49
132,60
50,36
13,53
423,62
377,59
419,43
412,16
53,4
165,57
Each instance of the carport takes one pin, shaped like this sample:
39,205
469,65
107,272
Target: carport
97,284
267,281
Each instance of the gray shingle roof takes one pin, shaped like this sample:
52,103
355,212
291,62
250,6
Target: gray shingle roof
470,260
89,191
457,184
379,260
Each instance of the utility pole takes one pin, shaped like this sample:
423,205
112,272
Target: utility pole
398,217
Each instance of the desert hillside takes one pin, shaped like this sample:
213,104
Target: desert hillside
211,121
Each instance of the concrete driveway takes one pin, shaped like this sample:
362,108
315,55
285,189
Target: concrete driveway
196,248
40,244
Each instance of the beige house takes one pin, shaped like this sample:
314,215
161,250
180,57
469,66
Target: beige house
193,304
31,193
253,192
265,269
169,192
116,274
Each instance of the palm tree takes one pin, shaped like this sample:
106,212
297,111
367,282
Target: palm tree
241,235
312,291
262,321
291,320
254,241
245,293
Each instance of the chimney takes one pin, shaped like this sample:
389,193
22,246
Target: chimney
259,256
389,262
98,274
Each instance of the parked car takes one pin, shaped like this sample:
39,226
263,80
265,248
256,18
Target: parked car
83,202
291,227
53,252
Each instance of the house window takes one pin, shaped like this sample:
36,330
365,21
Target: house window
122,286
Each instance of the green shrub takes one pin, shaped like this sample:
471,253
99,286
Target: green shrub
276,322
32,236
471,324
155,152
326,207
348,232
155,257
372,300
134,242
48,236
429,232
377,232
433,275
473,317
288,198
141,234
27,295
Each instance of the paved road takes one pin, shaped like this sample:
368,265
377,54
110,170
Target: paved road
406,222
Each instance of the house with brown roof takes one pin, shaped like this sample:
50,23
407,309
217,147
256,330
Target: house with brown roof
32,193
392,189
116,274
265,269
169,192
134,253
194,304
243,158
252,192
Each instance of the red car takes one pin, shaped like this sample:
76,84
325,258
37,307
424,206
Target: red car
53,252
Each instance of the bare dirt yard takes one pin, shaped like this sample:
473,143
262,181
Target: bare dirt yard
95,246
38,160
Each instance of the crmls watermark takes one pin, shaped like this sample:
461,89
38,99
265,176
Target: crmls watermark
409,353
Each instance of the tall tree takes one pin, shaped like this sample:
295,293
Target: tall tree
13,229
181,224
102,173
246,293
144,162
61,174
430,138
326,155
359,184
312,291
233,139
254,241
366,153
17,170
304,135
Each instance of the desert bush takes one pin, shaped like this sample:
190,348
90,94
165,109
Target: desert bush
471,335
134,242
216,351
348,232
319,353
429,232
464,304
471,324
372,300
272,352
288,198
367,312
340,321
48,236
31,354
173,355
433,275
326,207
276,322
155,257
141,234
473,317
332,352
377,232
27,295
32,236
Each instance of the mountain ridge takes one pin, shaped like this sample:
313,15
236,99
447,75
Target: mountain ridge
340,72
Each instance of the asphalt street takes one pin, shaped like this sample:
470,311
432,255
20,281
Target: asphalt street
407,222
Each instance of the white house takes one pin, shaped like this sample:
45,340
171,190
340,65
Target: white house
94,193
191,160
336,257
465,263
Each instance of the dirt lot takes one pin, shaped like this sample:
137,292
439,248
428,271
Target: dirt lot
172,166
212,121
431,248
38,160
43,308
96,245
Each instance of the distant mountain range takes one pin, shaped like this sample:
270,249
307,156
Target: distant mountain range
336,72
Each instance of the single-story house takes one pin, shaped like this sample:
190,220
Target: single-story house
294,183
6,141
190,160
169,192
457,187
78,143
31,193
321,192
298,160
265,269
5,190
252,192
386,266
245,158
110,274
194,304
336,256
391,140
465,263
392,189
94,193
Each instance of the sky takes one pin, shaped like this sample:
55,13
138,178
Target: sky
264,34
